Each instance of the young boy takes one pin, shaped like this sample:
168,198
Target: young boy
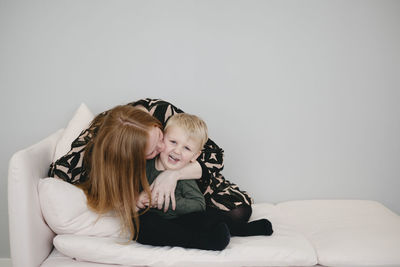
184,137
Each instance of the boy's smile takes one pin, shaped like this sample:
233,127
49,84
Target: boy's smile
173,158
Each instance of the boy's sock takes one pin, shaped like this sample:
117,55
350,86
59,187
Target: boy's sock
258,227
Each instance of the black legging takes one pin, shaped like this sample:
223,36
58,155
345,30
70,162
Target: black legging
235,218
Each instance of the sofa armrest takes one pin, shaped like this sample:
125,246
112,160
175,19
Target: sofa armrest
30,237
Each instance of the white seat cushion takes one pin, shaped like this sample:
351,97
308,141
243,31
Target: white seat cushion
81,236
342,232
347,232
57,259
284,248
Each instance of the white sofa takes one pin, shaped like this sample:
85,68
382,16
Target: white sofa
307,233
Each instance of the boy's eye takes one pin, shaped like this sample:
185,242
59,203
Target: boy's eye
172,141
188,148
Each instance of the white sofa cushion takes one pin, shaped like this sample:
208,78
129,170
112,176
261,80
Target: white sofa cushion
65,211
347,232
81,235
85,236
285,247
79,122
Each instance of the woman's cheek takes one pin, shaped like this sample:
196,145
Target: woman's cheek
161,147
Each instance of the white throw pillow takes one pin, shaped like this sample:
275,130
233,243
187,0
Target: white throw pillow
79,122
65,211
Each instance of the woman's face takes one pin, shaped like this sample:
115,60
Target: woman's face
155,143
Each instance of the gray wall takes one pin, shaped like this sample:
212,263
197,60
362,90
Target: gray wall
302,95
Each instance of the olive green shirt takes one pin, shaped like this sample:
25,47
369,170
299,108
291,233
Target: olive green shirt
188,196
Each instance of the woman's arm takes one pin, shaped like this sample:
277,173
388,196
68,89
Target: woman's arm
160,109
163,187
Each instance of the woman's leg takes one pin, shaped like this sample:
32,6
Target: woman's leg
237,221
158,231
240,214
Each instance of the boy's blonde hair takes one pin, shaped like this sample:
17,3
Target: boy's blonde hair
194,127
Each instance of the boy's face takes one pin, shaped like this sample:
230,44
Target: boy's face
179,150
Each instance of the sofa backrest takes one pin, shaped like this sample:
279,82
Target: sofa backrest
31,240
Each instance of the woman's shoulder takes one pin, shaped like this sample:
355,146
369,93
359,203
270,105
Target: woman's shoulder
159,108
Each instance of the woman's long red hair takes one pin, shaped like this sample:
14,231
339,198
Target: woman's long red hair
116,164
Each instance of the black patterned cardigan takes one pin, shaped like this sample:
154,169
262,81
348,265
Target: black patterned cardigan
218,192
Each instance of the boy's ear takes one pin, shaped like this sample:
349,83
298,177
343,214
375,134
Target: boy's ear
195,156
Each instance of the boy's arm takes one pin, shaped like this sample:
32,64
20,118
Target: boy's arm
189,198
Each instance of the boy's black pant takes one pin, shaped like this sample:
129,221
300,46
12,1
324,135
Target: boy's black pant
195,230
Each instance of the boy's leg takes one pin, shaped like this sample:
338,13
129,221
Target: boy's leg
203,220
158,231
236,220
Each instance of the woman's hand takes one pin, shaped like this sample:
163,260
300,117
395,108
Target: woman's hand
163,189
143,201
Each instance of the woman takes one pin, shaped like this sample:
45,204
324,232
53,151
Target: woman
220,195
